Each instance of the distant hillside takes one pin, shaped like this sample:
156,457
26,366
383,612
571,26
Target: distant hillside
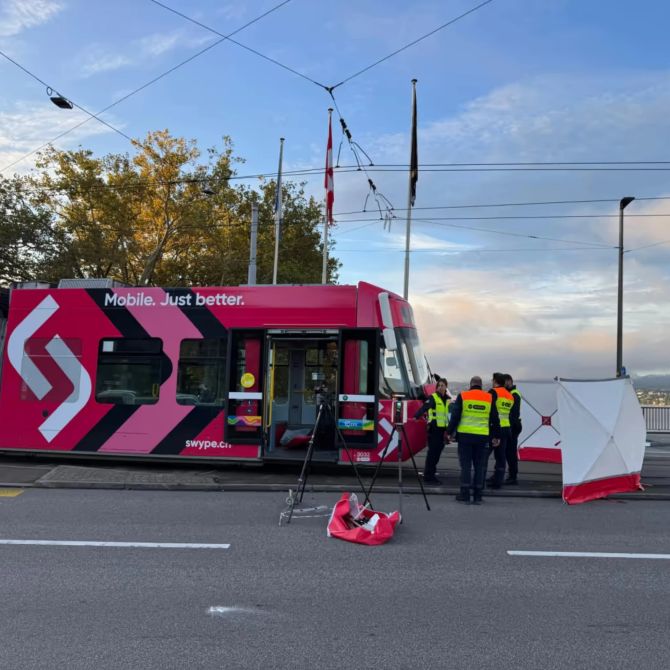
655,382
641,383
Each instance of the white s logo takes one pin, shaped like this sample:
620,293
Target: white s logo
64,359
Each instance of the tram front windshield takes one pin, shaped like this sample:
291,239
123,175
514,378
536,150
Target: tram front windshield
413,357
405,370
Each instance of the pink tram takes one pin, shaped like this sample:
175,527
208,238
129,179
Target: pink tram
219,373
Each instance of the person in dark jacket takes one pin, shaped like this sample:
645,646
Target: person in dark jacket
474,422
437,409
512,453
504,402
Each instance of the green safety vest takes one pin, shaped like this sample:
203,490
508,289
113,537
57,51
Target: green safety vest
504,403
440,415
476,413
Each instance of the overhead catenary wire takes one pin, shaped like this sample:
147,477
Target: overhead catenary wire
371,221
646,246
344,169
530,203
146,85
509,233
521,217
453,252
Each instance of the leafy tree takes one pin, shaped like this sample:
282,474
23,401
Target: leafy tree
163,216
26,236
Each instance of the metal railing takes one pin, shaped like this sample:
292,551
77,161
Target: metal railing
657,418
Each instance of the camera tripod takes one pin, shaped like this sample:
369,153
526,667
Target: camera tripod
295,497
399,431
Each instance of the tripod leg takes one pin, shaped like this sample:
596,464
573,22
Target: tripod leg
302,480
339,435
379,464
416,470
300,489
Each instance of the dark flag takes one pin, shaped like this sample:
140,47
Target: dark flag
414,156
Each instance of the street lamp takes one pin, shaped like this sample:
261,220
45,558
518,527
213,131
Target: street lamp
58,99
619,318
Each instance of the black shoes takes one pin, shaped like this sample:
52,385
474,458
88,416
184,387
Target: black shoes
511,481
463,496
432,481
477,500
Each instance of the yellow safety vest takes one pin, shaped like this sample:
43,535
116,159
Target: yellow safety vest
504,403
476,413
440,413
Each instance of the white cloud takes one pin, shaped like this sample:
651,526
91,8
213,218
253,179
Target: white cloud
98,61
18,15
159,43
97,58
24,127
231,11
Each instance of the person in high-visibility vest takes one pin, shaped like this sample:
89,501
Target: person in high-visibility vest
512,452
437,408
504,402
474,422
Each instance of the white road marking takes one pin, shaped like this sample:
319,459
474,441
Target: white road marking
222,611
588,554
141,545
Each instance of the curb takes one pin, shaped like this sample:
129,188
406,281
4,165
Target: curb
315,488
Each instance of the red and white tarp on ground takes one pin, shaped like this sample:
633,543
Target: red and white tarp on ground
540,438
603,436
356,523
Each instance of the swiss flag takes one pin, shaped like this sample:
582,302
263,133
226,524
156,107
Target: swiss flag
329,181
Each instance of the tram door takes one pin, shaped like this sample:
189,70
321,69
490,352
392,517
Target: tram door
300,372
245,387
357,399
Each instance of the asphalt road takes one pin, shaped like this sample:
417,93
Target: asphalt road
443,593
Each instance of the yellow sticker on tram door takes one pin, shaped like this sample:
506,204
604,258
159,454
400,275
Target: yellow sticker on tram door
247,380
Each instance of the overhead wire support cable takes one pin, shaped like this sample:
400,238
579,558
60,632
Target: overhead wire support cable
410,44
239,44
382,202
53,89
149,83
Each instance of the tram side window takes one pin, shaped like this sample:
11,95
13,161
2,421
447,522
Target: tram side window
202,372
391,374
130,371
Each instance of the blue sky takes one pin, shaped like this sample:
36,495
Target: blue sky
515,81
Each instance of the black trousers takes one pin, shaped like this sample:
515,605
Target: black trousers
500,457
472,455
512,454
435,446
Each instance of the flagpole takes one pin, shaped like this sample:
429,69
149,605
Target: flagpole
328,182
411,188
278,212
324,269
